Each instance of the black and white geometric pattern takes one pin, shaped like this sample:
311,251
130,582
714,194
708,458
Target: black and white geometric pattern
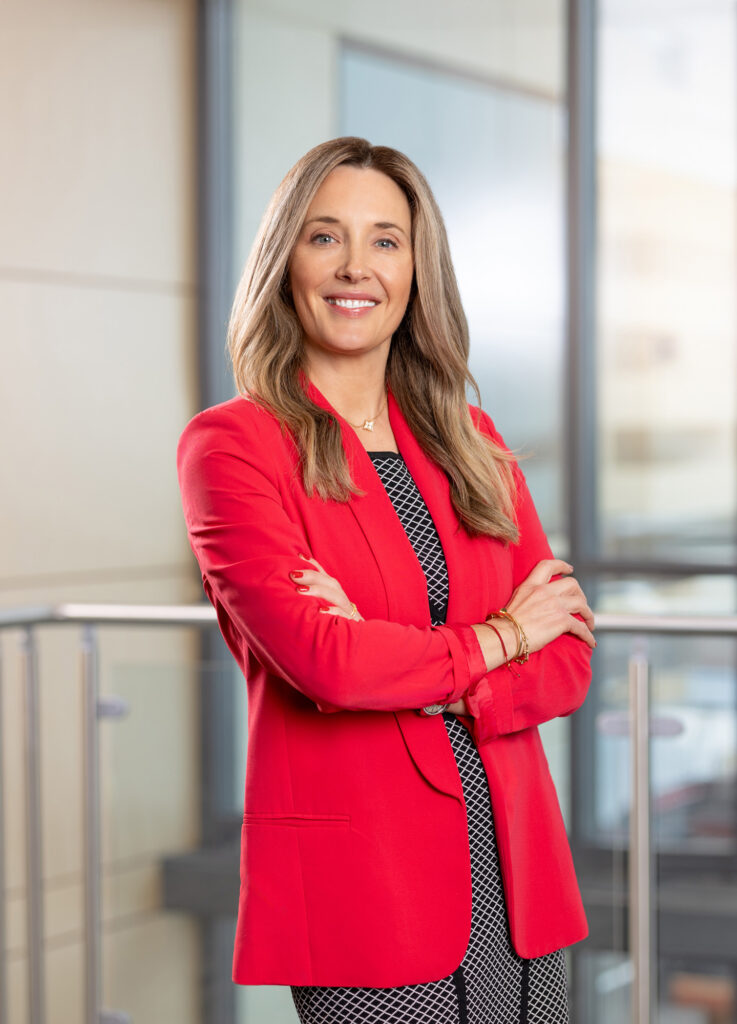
493,985
418,526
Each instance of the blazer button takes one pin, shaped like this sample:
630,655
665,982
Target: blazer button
434,709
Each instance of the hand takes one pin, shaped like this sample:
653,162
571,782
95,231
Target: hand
458,707
546,608
319,584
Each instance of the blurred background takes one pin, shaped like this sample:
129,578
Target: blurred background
584,155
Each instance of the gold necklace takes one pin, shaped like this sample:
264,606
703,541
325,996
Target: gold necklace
369,424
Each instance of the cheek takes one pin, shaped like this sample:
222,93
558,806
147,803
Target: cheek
306,278
402,284
301,271
407,274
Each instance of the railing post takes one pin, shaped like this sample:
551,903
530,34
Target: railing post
640,860
34,879
91,769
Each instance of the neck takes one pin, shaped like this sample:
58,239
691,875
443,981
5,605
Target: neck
356,391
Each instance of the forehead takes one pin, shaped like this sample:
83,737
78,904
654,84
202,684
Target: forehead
349,191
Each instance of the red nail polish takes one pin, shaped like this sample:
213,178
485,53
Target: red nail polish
302,589
296,573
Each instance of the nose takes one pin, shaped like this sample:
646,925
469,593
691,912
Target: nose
353,267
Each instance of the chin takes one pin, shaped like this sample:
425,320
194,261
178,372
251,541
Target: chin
349,344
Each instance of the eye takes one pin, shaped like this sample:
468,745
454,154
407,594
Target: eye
390,243
321,235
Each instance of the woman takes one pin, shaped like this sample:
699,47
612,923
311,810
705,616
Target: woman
381,576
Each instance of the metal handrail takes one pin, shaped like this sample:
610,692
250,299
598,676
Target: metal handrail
89,616
693,625
641,931
109,615
203,615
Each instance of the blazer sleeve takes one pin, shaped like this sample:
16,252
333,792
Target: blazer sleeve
246,545
553,682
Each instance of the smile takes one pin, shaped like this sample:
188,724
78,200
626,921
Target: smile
353,303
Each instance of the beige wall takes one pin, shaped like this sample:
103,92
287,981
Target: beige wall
97,312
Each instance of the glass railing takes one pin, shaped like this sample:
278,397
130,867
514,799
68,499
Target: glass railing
119,861
655,824
102,802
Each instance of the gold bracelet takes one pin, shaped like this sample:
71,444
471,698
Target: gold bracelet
501,641
504,614
504,649
523,651
523,644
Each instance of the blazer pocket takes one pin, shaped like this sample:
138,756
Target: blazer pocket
296,820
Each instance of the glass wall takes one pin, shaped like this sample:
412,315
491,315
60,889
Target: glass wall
666,263
665,524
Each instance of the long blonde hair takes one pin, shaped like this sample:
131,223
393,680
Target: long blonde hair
427,367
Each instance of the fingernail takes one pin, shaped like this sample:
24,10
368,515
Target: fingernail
304,556
296,573
302,589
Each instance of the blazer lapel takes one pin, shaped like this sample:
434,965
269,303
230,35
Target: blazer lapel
404,580
385,535
433,485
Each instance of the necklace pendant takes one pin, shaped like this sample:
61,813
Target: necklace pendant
367,425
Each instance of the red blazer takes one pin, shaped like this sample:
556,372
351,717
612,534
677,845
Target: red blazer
354,852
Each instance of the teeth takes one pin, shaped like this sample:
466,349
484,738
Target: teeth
351,303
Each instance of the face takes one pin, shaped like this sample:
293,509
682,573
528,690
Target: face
351,269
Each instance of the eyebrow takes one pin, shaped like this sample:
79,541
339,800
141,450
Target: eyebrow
383,224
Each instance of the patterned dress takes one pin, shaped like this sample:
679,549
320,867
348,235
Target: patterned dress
492,985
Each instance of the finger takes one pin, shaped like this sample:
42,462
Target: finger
309,576
350,614
564,585
329,592
572,598
327,586
324,591
576,603
588,617
313,560
581,630
546,568
586,614
324,583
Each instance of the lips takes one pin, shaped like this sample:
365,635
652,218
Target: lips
352,306
352,301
